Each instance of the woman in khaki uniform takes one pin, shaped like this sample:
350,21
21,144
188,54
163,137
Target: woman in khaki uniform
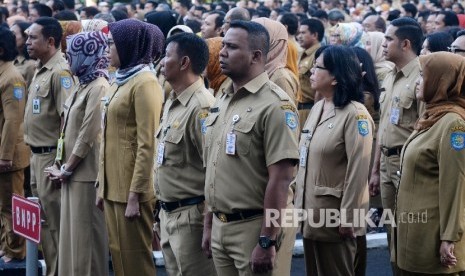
131,115
83,240
430,209
25,65
335,150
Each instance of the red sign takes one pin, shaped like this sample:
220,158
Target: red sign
26,218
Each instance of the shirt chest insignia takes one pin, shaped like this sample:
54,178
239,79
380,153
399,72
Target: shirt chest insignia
18,91
66,82
291,119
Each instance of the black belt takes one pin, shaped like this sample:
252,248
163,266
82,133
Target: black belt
301,106
39,150
238,216
171,206
391,151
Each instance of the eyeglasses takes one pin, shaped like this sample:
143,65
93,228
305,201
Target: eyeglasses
455,50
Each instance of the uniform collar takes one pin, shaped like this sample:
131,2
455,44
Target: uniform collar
186,95
409,68
52,61
312,49
252,86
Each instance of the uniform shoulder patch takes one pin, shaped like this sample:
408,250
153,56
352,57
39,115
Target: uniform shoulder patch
363,127
457,140
66,81
291,119
18,91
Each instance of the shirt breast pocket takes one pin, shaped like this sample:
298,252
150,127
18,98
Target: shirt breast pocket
408,115
43,91
244,133
174,152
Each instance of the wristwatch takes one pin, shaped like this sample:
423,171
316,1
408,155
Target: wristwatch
265,242
64,171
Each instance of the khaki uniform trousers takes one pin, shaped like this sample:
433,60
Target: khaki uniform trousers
329,258
130,240
181,241
83,237
50,199
12,244
401,272
233,243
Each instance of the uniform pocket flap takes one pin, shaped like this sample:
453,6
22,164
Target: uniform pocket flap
174,136
244,126
382,97
211,119
321,191
405,102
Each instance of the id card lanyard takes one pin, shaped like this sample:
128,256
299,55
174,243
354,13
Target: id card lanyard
231,137
61,140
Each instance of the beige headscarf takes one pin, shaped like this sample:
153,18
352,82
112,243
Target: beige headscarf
94,25
214,74
277,56
69,28
443,87
375,39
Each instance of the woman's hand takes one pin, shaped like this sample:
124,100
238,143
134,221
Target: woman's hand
132,209
446,253
55,175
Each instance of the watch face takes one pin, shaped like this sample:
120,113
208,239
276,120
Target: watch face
264,242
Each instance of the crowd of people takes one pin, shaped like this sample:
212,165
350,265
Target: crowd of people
189,122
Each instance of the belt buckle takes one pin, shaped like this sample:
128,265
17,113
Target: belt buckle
222,217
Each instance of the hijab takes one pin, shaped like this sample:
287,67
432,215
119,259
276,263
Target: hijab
375,40
165,20
93,25
277,55
214,74
443,87
86,54
350,34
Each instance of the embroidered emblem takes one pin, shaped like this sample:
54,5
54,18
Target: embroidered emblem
288,107
363,128
18,91
457,140
458,128
291,120
66,82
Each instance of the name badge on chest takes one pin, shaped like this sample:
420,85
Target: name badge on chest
35,106
160,152
231,143
303,156
395,114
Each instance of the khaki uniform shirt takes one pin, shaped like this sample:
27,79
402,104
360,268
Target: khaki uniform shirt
127,152
27,69
399,107
285,79
180,173
335,150
12,96
307,94
51,86
430,201
82,126
265,128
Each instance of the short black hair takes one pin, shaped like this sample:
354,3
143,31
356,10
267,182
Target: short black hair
66,15
90,11
119,14
224,6
8,44
370,81
342,63
69,4
58,5
195,25
51,28
43,10
185,3
291,21
194,47
314,26
408,28
4,13
336,15
393,15
258,36
453,31
410,8
24,8
154,4
23,26
460,33
439,41
263,12
460,7
320,14
450,18
219,19
303,4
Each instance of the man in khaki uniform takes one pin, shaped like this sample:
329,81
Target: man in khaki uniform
48,91
399,107
14,155
311,33
180,174
250,153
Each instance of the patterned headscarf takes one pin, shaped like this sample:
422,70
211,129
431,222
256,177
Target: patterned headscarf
350,34
443,87
214,74
69,28
137,42
277,56
87,56
93,25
